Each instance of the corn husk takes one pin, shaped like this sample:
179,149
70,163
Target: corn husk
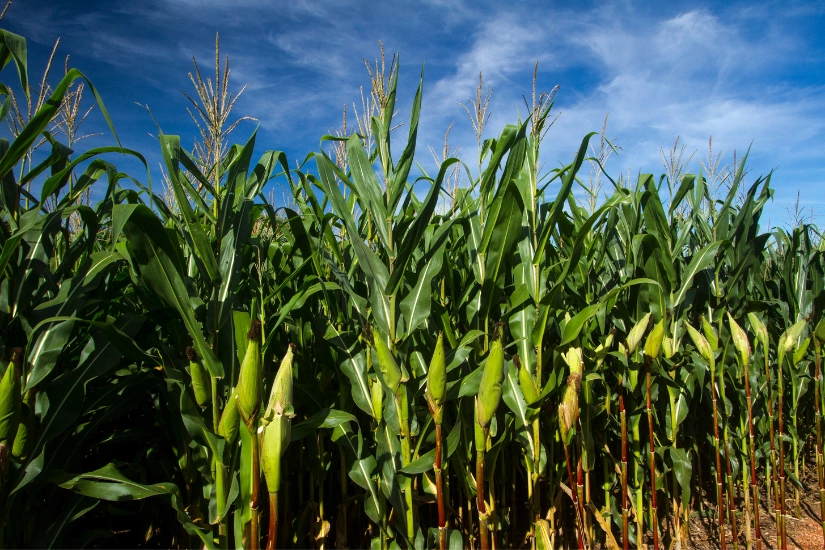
603,349
790,339
526,382
25,429
230,419
653,344
10,399
250,380
277,423
377,398
636,333
569,407
701,343
437,381
800,350
201,382
740,340
489,390
759,330
710,333
387,366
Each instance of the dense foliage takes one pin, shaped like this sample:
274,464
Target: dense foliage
392,365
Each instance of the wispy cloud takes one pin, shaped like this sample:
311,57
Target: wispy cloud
743,72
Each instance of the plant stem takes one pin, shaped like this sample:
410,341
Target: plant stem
273,522
780,467
406,458
484,534
728,473
638,480
754,487
255,538
623,416
216,409
720,502
820,463
573,496
653,511
442,524
773,464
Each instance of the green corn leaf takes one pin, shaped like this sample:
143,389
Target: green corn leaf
170,147
161,270
325,418
107,483
425,462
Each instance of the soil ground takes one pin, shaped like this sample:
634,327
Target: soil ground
803,532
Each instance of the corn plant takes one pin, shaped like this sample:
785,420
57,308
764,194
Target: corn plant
362,368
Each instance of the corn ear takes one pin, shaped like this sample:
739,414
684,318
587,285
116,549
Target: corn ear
489,391
669,346
526,382
710,333
201,382
790,339
250,379
230,419
759,330
387,366
377,398
701,343
740,340
10,399
795,334
569,407
25,429
277,423
437,380
636,333
800,350
653,344
603,349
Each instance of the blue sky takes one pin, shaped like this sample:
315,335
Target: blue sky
741,72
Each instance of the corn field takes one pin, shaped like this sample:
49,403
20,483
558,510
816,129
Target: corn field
389,363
